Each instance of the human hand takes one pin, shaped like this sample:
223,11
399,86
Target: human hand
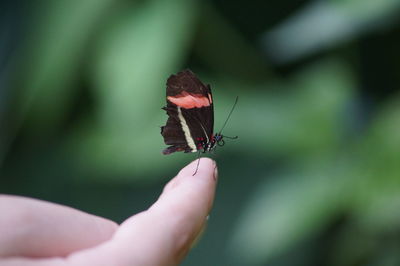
38,233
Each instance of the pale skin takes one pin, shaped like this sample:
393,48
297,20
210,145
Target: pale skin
39,233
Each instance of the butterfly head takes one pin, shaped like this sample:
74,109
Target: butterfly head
218,140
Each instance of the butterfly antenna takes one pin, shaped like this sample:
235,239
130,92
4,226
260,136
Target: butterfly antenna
235,137
229,115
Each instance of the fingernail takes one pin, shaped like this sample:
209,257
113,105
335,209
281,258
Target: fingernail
215,172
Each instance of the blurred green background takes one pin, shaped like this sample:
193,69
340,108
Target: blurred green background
314,178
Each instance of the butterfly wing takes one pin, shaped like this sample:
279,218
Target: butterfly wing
190,113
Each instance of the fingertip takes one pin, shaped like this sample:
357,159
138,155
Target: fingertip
198,190
202,166
203,180
203,169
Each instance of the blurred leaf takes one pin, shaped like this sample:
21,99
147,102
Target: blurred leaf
134,59
297,205
297,117
225,50
374,221
325,24
291,207
49,59
378,193
137,53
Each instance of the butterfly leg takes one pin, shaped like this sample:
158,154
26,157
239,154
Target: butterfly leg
198,162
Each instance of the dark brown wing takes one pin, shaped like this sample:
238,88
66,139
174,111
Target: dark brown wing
173,133
187,81
190,111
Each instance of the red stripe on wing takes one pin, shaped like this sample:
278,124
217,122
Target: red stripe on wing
187,100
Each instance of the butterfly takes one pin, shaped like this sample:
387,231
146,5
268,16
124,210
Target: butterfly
190,111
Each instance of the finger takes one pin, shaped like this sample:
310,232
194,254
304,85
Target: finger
35,228
163,234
